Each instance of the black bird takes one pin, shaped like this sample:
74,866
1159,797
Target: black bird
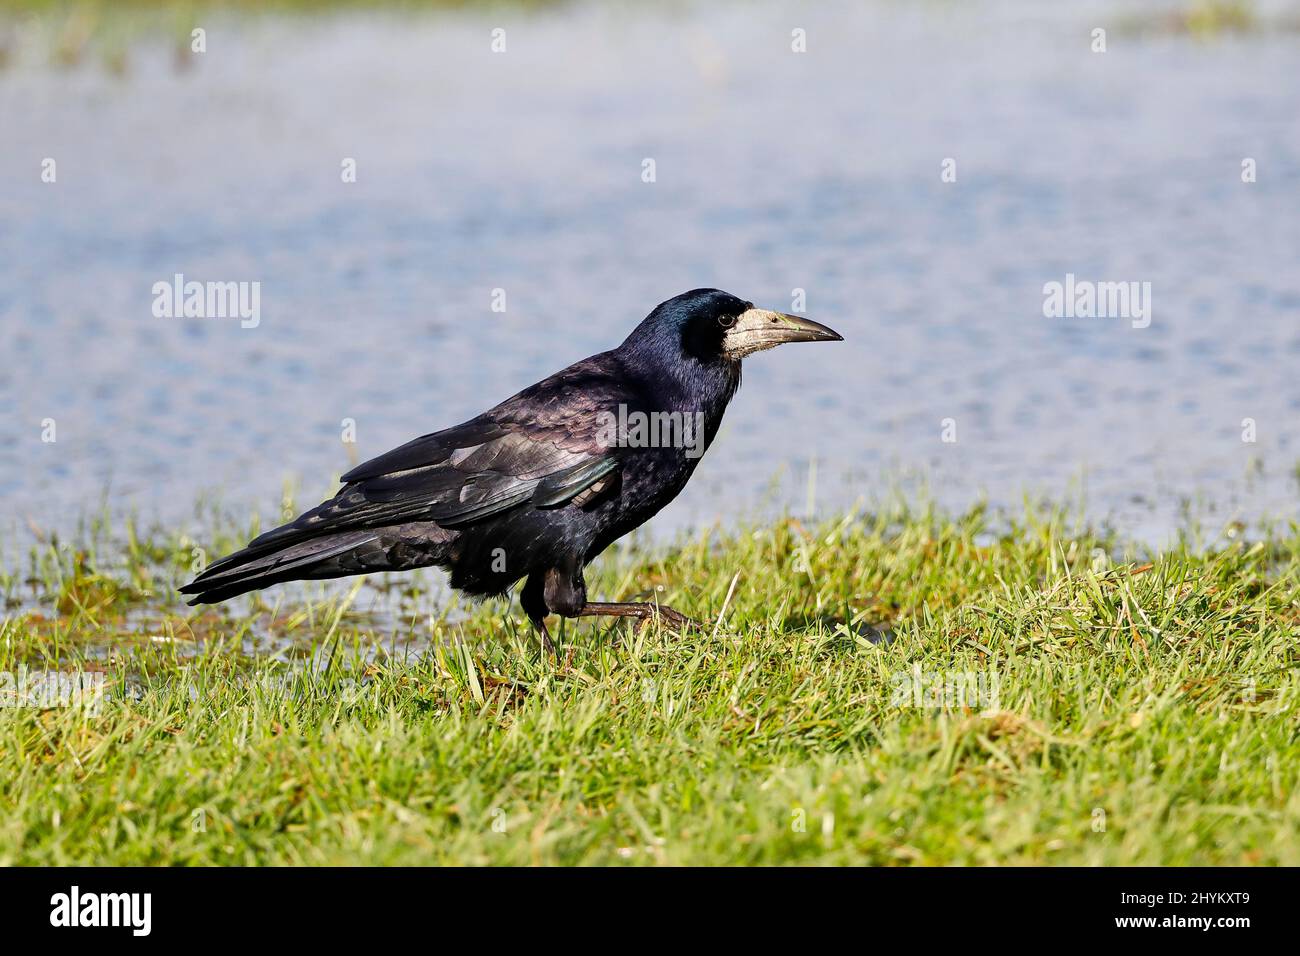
542,483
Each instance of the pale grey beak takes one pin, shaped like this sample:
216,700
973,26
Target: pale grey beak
758,329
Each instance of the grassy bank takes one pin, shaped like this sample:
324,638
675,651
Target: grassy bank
902,689
74,33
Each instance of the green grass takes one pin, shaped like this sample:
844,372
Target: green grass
1138,709
70,34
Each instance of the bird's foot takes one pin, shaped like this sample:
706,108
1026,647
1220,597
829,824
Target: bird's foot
673,618
644,612
547,644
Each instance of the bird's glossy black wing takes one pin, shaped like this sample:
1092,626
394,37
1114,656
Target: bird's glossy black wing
543,447
469,483
455,486
428,449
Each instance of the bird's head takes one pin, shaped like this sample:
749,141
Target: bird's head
710,326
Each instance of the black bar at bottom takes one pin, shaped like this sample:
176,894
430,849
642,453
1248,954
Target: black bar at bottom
339,906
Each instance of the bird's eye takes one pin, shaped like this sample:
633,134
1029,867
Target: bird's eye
727,321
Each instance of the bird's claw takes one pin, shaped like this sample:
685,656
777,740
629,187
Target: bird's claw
674,619
548,646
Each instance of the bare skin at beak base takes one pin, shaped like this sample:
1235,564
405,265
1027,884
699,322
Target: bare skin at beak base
758,329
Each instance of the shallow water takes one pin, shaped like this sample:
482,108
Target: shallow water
774,171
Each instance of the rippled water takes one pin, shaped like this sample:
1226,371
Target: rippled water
774,171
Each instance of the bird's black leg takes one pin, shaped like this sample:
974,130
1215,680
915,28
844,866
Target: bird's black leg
547,643
533,601
565,593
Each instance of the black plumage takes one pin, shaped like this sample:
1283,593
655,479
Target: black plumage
539,485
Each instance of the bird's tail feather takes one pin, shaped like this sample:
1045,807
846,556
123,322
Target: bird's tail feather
253,568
